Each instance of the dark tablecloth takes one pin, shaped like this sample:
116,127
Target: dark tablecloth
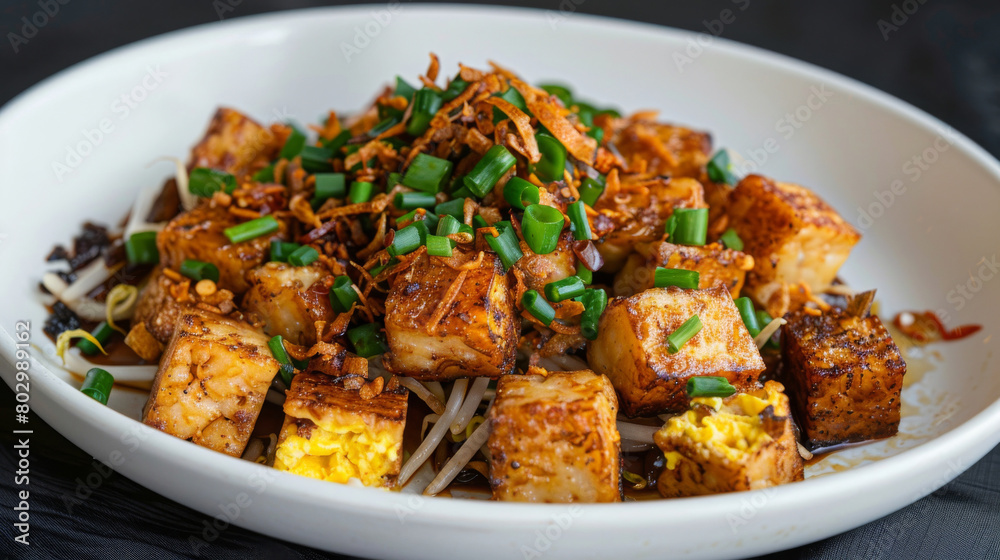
943,58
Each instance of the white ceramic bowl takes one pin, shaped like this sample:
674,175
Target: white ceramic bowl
852,144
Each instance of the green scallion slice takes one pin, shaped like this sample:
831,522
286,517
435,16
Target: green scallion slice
330,185
567,288
666,277
427,173
455,87
337,143
407,239
413,200
494,164
692,226
720,170
253,229
553,163
265,175
684,333
538,307
286,368
594,303
584,274
709,386
505,245
204,182
448,225
590,190
732,240
438,246
513,97
342,294
426,103
520,193
541,226
360,191
454,208
293,145
578,221
97,385
316,159
141,248
281,249
563,93
368,340
749,316
303,256
102,332
200,270
403,89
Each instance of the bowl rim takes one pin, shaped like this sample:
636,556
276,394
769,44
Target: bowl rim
976,433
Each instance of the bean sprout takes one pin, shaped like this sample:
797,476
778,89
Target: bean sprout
471,404
437,433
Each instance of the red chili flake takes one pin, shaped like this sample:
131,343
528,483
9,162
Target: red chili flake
924,327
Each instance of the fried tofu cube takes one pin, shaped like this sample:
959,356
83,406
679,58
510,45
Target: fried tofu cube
638,210
631,347
211,382
554,438
199,235
157,308
443,323
794,237
715,265
288,300
237,144
654,148
742,442
844,375
332,432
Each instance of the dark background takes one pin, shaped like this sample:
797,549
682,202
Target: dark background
943,58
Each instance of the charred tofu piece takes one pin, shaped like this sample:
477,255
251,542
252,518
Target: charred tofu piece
288,300
715,265
638,210
211,383
844,375
199,234
742,442
554,439
631,347
653,148
237,144
794,237
158,308
443,323
539,270
336,430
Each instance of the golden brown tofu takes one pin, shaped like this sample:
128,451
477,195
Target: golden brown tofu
237,144
158,309
715,265
742,442
656,148
554,439
639,210
844,375
199,234
332,432
539,270
443,323
631,347
793,236
211,383
288,300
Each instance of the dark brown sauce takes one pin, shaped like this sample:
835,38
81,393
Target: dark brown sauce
269,421
821,453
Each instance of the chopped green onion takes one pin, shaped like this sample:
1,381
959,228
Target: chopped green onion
505,245
749,316
563,93
253,229
594,303
330,185
413,200
407,239
393,179
342,294
462,191
204,182
684,333
590,190
286,368
361,191
336,143
584,274
709,386
720,170
426,103
455,87
448,225
281,249
665,277
479,221
378,269
303,256
553,163
316,159
418,215
541,226
265,175
671,226
383,125
454,208
518,193
293,145
102,332
732,240
513,97
427,173
403,89
199,270
538,307
567,288
494,164
97,385
692,226
578,222
368,340
141,248
438,246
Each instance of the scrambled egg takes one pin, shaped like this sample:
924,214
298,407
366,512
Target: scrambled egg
339,453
